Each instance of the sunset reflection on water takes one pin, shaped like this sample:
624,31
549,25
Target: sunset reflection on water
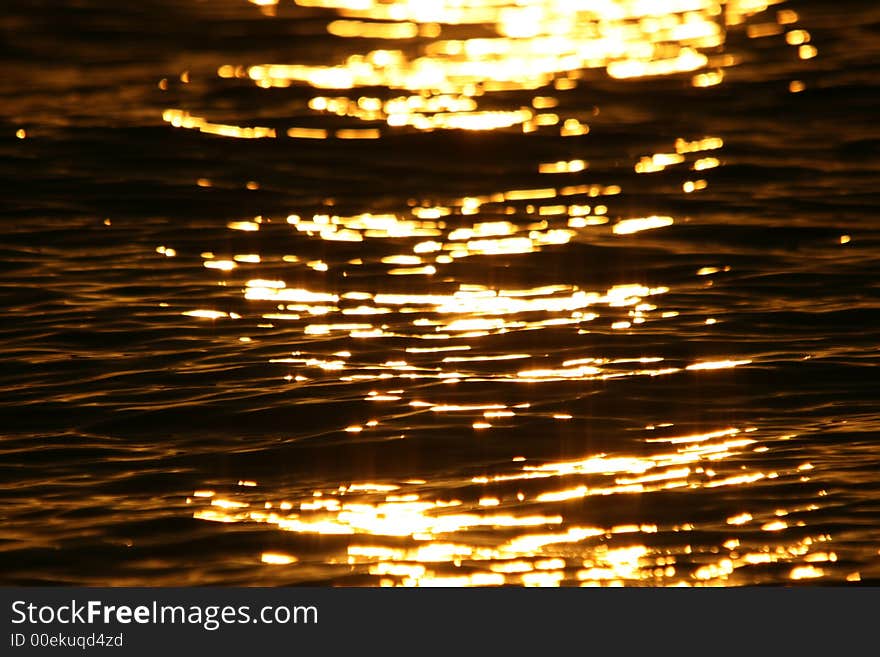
512,527
462,293
420,351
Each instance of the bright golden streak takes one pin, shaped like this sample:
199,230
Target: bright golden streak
774,526
205,314
277,559
366,133
707,144
182,119
571,166
717,364
806,572
243,225
706,163
630,226
307,133
658,162
529,194
365,30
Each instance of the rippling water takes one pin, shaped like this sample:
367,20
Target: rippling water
357,292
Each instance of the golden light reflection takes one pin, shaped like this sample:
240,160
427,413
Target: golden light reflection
524,509
532,44
449,234
183,119
630,226
414,343
446,82
468,311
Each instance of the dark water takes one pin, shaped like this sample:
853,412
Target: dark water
554,400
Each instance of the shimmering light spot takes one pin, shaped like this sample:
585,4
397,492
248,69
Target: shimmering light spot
224,265
807,51
277,559
708,79
250,226
774,526
797,37
206,314
806,572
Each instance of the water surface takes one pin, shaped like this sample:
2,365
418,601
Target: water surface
451,293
